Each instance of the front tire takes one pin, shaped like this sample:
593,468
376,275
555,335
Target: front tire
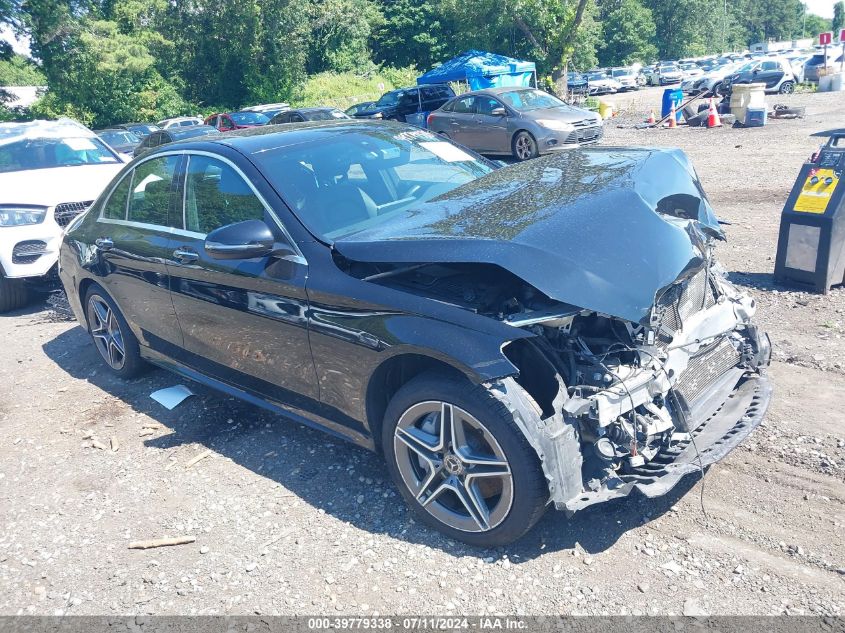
13,294
524,147
111,334
460,462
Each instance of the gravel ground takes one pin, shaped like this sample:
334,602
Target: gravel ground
289,521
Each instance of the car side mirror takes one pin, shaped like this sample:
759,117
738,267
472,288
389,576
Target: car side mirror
499,112
241,240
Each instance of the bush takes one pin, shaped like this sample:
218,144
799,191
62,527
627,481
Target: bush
342,90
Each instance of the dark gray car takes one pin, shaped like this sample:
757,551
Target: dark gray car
523,122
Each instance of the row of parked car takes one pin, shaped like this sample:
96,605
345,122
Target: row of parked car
517,121
780,71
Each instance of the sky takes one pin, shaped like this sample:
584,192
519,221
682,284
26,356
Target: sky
823,8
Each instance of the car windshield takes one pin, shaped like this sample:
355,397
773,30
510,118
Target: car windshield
390,98
621,72
142,129
669,68
119,137
324,115
354,179
596,76
530,99
747,66
48,153
248,118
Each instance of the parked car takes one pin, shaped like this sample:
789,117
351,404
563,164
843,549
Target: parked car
626,77
667,74
600,84
431,328
576,82
50,172
269,109
774,72
180,121
710,81
814,65
690,69
174,134
141,130
118,139
359,107
399,104
300,115
522,122
237,120
797,62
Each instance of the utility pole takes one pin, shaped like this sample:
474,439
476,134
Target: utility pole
725,29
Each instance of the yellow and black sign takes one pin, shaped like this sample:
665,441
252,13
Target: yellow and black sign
817,191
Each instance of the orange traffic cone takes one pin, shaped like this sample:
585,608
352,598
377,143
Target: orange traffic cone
673,117
651,120
713,119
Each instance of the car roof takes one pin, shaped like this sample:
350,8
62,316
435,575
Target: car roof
258,139
496,91
60,128
188,132
312,109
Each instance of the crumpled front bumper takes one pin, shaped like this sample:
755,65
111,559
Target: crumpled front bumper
710,442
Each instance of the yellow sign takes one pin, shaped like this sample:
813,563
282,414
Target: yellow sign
817,191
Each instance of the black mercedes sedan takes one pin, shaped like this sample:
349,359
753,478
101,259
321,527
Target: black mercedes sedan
552,332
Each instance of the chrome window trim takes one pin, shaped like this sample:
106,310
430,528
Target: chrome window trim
297,258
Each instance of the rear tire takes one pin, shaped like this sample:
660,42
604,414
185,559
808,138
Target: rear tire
524,147
111,334
492,499
787,88
13,294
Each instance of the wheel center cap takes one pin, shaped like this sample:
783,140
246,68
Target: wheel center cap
452,464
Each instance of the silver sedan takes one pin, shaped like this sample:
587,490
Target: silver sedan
523,122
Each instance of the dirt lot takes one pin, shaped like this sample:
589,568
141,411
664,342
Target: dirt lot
288,520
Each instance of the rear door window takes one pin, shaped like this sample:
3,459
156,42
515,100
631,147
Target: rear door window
151,191
115,208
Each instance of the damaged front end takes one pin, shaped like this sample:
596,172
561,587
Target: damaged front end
639,405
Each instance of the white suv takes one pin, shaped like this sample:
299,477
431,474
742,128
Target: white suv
50,172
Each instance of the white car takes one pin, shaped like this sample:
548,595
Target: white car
180,121
50,172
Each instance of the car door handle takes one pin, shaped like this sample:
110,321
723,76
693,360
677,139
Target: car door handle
104,243
185,256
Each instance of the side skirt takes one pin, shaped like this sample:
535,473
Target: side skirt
165,362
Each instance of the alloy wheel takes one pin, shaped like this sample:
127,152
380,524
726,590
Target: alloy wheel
453,466
524,148
787,88
105,329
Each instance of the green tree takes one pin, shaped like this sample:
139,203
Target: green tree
813,24
628,33
411,34
20,71
838,16
340,34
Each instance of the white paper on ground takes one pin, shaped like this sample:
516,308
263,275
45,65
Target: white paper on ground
171,397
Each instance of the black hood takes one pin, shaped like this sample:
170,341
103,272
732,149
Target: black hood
605,229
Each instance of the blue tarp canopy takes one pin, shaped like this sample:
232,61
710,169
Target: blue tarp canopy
481,70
